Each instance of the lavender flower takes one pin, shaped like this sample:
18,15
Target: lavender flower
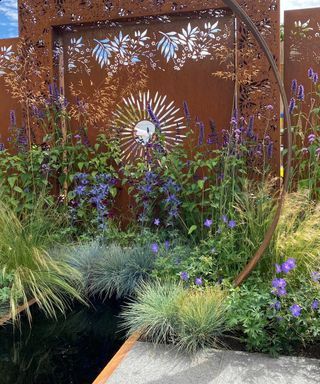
184,276
155,248
315,78
292,105
270,150
198,281
301,93
153,117
201,133
315,304
310,73
186,110
250,132
208,223
294,86
156,222
13,120
295,310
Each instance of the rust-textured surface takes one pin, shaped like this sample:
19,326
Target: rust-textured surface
301,46
39,21
7,50
301,52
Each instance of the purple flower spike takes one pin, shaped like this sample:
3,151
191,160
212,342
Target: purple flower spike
198,281
295,310
311,138
155,248
208,223
315,304
310,73
301,93
292,105
294,86
186,110
184,276
315,78
156,222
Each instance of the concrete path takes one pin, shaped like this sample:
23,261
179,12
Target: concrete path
147,364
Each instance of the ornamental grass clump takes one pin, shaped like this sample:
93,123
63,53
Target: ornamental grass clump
202,315
35,274
189,319
298,233
111,270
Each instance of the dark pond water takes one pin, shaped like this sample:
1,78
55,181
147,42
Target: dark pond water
72,350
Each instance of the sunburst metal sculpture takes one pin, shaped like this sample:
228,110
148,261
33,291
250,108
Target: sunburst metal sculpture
138,127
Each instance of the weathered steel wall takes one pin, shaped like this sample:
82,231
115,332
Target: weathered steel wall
227,70
7,50
301,52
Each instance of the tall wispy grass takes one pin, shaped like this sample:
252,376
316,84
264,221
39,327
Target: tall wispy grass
24,245
298,232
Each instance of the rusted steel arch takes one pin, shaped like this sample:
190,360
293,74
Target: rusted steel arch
238,11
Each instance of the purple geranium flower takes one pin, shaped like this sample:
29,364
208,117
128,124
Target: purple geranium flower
184,276
315,304
208,223
295,310
155,248
198,281
278,268
288,265
315,276
156,222
232,224
281,292
277,305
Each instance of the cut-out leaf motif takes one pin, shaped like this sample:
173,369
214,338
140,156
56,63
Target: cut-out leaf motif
169,45
102,52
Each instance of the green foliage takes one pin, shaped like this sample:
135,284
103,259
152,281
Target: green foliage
270,329
189,319
35,274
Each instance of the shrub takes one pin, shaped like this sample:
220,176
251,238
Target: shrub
165,312
24,256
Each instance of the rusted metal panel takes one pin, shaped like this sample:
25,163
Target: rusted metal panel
301,46
8,104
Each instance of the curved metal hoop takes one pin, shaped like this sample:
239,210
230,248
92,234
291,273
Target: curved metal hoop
238,11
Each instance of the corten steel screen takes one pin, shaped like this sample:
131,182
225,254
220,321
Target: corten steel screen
42,24
301,50
301,45
7,50
178,57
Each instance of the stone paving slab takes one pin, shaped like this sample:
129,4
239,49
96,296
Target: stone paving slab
149,364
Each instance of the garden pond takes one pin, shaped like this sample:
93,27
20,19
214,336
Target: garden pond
70,350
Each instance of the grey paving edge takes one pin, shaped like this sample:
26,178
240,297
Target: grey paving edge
149,364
